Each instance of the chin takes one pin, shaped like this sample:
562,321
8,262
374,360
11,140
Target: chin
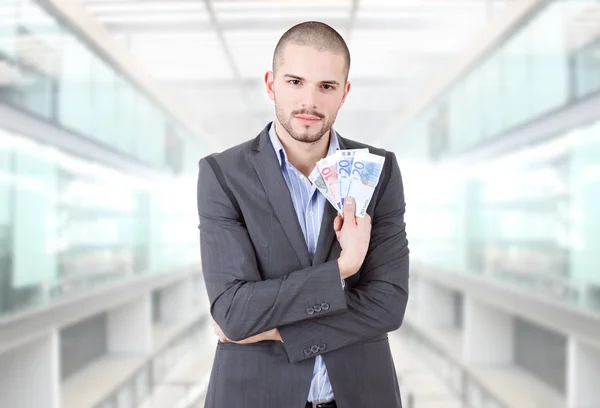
311,138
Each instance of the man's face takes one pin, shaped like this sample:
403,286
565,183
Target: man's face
309,89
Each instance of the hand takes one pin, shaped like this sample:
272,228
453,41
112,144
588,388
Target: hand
354,235
268,335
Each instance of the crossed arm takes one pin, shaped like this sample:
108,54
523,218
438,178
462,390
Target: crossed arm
247,308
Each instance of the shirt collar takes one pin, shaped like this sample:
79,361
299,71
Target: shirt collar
334,144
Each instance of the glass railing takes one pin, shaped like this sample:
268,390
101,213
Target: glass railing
47,70
68,225
549,62
528,219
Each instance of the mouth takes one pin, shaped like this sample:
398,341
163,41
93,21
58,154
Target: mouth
307,118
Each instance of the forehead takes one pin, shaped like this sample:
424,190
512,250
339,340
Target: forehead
310,63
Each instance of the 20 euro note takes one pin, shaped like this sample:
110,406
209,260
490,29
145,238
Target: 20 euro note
345,158
316,178
366,170
328,169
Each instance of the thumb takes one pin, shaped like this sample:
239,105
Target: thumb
348,207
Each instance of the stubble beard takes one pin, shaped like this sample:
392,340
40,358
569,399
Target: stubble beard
307,136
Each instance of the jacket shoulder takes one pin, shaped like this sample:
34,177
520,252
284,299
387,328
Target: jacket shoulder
235,154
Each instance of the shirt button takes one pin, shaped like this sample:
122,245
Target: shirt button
311,213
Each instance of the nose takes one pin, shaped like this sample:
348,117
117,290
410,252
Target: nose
310,98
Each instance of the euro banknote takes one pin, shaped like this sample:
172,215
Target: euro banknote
366,171
353,173
316,178
328,169
344,168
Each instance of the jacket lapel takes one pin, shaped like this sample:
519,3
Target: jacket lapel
327,234
269,172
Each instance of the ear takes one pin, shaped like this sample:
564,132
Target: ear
269,83
346,90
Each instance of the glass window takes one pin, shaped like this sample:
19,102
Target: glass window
550,61
528,219
34,217
549,65
6,221
67,224
121,118
128,124
9,71
103,89
47,70
473,110
51,201
75,101
516,78
38,52
583,43
587,69
8,28
491,96
458,112
584,179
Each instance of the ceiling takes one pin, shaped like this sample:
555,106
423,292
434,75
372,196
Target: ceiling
212,54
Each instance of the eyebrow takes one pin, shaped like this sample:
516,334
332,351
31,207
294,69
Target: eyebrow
302,79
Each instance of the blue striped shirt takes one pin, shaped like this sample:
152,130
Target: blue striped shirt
309,205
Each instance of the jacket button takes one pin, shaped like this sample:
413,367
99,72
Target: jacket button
315,349
317,308
310,311
325,306
322,346
307,352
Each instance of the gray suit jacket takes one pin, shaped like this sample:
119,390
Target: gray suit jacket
259,276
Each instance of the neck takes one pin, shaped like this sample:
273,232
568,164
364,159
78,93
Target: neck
304,156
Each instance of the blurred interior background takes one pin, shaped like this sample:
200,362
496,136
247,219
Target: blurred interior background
491,106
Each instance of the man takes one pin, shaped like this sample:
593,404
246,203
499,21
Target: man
302,298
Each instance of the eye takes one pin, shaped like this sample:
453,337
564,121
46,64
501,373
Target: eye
294,81
328,87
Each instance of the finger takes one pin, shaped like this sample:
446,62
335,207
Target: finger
337,223
364,220
349,208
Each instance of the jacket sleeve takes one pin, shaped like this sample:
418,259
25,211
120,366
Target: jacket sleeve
241,303
376,304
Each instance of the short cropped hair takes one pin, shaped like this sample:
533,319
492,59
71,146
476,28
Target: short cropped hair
314,34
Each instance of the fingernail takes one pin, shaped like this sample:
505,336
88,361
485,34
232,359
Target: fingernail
348,201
